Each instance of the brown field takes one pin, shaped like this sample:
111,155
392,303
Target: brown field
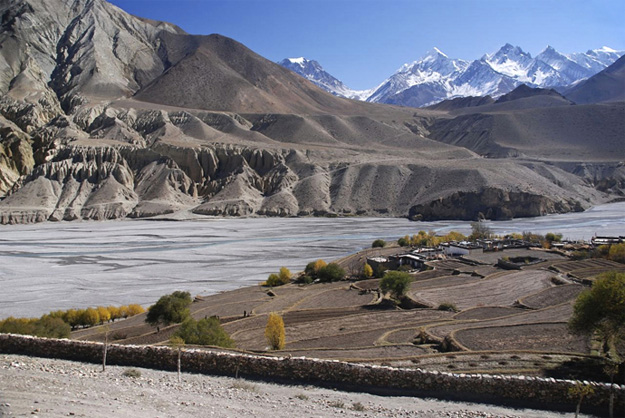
508,321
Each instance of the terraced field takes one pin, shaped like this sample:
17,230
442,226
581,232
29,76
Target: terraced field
515,319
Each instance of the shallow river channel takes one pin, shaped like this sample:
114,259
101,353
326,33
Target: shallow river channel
51,266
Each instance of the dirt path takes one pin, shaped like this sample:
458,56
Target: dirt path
56,388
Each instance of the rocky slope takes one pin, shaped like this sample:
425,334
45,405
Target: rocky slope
104,115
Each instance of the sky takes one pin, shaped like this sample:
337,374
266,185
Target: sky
363,42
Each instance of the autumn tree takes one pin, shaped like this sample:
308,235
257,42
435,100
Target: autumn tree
90,317
274,332
367,271
135,309
173,308
104,314
396,283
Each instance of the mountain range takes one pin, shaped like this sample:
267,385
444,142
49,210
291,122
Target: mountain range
106,115
436,77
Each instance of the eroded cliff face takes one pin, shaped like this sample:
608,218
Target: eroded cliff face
76,142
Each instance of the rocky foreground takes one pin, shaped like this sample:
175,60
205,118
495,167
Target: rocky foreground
53,388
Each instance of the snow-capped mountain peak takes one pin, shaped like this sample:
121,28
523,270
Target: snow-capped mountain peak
301,60
314,72
435,76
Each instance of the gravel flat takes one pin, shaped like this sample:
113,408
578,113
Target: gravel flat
55,388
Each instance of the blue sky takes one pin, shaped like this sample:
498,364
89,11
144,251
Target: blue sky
362,42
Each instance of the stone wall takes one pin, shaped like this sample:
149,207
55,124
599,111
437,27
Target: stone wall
514,390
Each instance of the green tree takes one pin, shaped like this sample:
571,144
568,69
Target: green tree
274,332
51,327
404,241
331,273
173,308
207,331
601,310
551,237
617,253
396,283
378,243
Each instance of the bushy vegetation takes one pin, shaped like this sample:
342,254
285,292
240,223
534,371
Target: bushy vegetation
169,309
378,243
429,239
207,331
46,326
58,324
282,278
274,332
396,283
448,306
134,373
331,273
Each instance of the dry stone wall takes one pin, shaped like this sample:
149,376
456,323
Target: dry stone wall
519,390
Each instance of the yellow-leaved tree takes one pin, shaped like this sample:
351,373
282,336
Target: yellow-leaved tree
274,332
367,271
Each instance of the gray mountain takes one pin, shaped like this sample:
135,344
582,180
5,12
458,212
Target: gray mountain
107,115
606,86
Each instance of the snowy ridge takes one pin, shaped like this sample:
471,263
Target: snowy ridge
436,77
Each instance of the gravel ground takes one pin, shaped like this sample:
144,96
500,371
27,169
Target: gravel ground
54,388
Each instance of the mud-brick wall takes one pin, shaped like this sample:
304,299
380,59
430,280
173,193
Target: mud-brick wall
522,390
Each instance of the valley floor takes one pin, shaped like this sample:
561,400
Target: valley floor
54,388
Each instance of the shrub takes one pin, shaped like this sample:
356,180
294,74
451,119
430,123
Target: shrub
207,331
173,308
357,406
378,243
274,332
396,283
404,241
134,373
447,306
331,273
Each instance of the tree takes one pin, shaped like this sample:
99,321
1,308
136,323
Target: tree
367,271
104,314
173,308
396,283
551,237
207,331
378,243
90,317
135,309
617,253
51,327
601,310
274,332
177,343
580,391
480,230
114,312
331,273
404,241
